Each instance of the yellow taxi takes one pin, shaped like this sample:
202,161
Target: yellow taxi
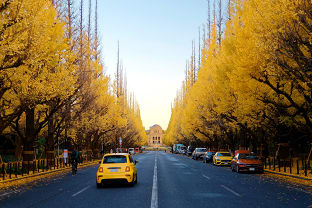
222,158
117,167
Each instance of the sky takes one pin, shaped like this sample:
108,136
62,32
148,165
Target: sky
155,39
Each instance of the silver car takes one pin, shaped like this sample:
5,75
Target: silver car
198,153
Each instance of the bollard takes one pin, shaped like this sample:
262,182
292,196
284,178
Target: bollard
265,164
305,168
285,166
34,166
290,166
269,164
16,170
279,165
10,169
57,163
3,170
297,167
28,167
22,169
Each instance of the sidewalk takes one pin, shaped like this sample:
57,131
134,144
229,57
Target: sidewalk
19,180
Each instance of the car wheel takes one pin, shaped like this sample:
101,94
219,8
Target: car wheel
132,182
232,167
98,185
136,178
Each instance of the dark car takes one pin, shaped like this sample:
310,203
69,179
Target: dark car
198,153
190,150
208,156
246,162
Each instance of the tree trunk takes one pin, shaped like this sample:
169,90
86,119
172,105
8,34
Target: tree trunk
19,147
28,143
50,141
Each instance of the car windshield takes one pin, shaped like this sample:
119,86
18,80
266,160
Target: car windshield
211,153
248,156
227,154
201,150
115,159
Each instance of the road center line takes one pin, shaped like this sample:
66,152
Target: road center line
206,176
82,190
154,200
230,190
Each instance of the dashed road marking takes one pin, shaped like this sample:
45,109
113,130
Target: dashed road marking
207,177
230,190
154,199
79,192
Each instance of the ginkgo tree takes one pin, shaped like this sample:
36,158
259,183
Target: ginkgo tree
53,85
253,87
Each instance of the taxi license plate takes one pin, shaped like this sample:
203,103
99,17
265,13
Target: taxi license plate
225,163
252,169
113,170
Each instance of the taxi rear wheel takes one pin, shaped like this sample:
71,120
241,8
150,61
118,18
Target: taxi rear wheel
136,178
98,185
132,182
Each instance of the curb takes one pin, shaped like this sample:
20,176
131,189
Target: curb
47,172
285,174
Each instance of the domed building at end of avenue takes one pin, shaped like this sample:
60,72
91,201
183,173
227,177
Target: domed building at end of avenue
155,136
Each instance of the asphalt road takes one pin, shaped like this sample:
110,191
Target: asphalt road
164,180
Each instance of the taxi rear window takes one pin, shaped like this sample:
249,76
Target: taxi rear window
115,159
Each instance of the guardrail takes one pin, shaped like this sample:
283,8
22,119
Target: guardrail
12,170
300,167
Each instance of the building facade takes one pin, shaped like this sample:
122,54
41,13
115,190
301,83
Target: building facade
155,136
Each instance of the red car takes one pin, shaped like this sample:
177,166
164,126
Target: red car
246,162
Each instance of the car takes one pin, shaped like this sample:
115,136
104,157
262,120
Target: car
131,151
222,158
208,156
241,151
182,150
198,153
117,167
190,150
246,162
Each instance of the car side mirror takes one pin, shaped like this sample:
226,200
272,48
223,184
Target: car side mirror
135,162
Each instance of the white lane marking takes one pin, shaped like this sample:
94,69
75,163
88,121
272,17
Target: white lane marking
206,177
8,193
230,190
82,190
154,199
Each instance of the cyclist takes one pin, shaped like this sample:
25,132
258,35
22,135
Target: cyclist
74,160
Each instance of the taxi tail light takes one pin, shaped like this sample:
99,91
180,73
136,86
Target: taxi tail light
127,169
101,169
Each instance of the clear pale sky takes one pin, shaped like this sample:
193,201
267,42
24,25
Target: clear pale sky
155,41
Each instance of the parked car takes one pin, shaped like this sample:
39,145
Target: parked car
222,158
190,150
241,151
198,153
246,162
117,167
177,147
208,156
131,151
182,150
